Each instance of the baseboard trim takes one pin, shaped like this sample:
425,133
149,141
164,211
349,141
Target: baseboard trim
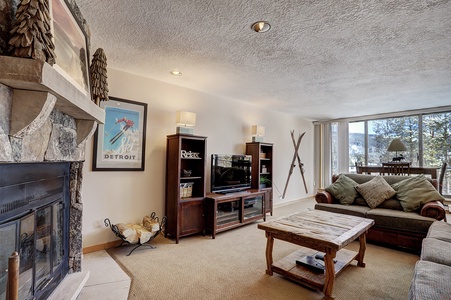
277,205
101,246
113,244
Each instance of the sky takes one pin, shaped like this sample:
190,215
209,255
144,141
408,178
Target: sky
359,127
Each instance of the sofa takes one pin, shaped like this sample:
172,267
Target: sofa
406,206
432,275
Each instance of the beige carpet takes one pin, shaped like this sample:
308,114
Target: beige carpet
232,266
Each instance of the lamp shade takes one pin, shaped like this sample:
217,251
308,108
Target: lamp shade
396,145
258,130
185,118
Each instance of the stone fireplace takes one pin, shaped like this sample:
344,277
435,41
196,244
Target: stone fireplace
45,123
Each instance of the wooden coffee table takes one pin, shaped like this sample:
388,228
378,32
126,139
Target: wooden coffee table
318,232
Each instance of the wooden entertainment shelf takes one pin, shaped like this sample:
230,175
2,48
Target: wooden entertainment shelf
185,184
227,211
189,210
262,162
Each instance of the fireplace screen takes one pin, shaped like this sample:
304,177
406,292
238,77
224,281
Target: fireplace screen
26,255
8,234
38,231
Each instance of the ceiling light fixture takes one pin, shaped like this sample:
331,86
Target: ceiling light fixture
261,26
176,73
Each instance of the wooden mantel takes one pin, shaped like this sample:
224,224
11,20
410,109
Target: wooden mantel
34,75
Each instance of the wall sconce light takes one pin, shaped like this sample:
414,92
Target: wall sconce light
257,133
395,146
185,122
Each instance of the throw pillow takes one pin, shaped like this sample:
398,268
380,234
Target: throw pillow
343,189
415,191
375,191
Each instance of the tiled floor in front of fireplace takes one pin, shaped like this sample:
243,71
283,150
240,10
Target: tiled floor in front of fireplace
106,280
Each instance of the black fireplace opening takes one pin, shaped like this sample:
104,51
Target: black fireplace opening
34,221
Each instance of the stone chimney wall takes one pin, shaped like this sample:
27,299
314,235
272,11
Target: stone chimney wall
5,118
54,140
53,137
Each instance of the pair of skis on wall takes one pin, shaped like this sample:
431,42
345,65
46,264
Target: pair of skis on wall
296,156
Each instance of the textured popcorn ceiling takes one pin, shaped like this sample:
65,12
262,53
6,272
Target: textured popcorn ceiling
321,59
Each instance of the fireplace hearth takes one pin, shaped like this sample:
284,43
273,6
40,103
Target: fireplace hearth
34,221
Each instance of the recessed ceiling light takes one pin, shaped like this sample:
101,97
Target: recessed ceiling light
176,73
261,26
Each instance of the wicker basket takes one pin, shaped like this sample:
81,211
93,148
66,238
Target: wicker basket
186,189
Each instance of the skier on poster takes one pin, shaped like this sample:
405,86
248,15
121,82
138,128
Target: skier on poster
128,124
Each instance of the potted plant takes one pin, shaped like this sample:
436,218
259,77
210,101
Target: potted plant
264,182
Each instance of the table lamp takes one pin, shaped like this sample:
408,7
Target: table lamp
395,146
257,133
185,122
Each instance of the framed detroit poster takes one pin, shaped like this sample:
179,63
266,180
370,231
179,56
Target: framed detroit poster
120,143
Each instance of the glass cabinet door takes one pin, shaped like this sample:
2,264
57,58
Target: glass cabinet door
253,207
228,212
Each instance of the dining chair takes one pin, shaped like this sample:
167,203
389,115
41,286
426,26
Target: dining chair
441,177
357,167
399,169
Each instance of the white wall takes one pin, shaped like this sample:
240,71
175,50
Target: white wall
125,197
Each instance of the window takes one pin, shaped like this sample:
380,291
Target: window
357,144
437,144
436,138
381,132
334,158
427,138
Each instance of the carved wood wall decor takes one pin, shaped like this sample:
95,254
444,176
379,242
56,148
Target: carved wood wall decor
99,78
31,36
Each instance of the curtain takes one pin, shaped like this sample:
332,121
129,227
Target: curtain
324,159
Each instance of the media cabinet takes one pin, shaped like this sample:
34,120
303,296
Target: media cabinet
189,210
228,211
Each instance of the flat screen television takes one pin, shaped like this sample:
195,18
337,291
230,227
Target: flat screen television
230,172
